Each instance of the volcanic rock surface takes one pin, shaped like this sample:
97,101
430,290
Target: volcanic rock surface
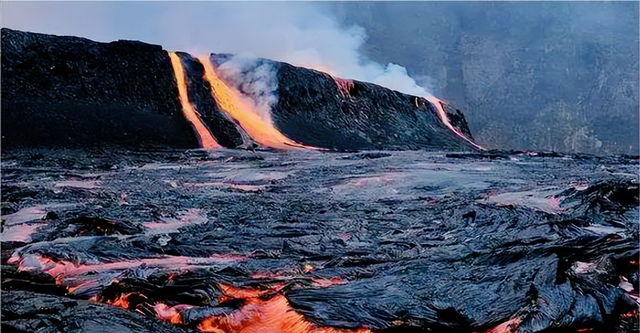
373,240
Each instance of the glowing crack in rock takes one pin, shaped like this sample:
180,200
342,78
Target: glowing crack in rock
205,137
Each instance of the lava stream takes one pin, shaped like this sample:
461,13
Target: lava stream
445,120
62,269
261,315
205,137
242,110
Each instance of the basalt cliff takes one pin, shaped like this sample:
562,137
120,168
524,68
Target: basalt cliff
70,91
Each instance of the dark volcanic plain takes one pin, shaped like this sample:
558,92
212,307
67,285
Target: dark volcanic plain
456,243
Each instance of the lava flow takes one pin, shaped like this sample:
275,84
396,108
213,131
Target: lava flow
204,135
63,269
344,85
243,112
445,120
263,315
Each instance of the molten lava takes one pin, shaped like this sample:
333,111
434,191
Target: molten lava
243,112
60,270
257,315
202,132
121,301
170,313
445,120
344,85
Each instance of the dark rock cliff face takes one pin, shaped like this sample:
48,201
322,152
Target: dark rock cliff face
60,91
378,118
69,91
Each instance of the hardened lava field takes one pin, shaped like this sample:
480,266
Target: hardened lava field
303,241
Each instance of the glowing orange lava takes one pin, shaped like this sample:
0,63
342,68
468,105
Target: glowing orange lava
628,315
202,132
170,313
121,301
585,329
344,85
257,315
445,120
242,110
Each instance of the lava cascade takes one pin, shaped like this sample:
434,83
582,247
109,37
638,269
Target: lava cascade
242,111
202,132
445,120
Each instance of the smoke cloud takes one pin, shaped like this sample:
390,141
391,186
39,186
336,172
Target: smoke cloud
303,34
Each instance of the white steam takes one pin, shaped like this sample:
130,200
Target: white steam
304,35
301,33
256,80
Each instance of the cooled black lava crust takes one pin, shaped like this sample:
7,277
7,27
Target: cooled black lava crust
452,243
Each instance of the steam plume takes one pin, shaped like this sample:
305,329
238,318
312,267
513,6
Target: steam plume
303,34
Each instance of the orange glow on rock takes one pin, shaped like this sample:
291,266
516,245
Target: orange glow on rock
202,132
61,269
586,329
122,301
628,315
324,283
445,120
274,315
509,326
243,112
230,292
170,313
344,85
